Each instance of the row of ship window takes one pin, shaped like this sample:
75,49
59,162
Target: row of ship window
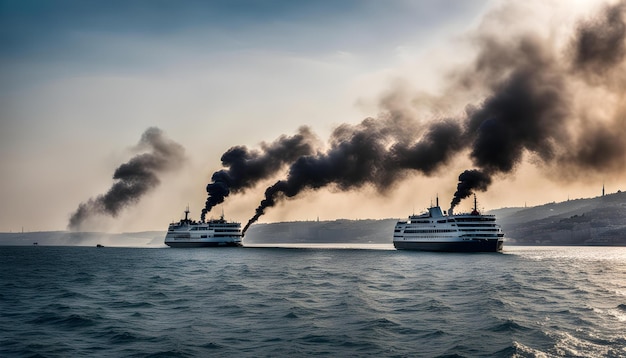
435,231
473,230
204,228
465,225
411,231
448,236
187,236
427,237
476,225
452,220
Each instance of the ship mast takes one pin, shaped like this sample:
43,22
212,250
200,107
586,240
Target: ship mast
475,211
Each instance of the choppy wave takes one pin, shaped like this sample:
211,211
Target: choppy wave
265,302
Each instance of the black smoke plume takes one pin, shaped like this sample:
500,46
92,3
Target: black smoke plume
598,44
533,105
469,181
247,167
527,111
134,178
369,153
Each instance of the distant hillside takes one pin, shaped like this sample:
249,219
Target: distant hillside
595,221
337,231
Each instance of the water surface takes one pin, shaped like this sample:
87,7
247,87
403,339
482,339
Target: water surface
330,300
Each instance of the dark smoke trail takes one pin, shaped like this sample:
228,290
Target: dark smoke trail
367,154
527,111
269,201
134,178
469,181
599,43
599,54
533,106
350,163
247,167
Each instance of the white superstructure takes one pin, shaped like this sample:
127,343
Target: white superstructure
435,231
189,233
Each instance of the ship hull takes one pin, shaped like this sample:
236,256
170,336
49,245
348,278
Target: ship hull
191,244
451,246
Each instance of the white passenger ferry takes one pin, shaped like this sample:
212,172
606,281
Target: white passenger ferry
435,231
213,233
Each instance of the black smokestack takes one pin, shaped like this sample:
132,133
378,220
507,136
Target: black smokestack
247,167
134,178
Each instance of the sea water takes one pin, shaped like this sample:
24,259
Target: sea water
322,301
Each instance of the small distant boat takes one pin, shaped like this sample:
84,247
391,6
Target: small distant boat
35,243
213,233
435,231
99,245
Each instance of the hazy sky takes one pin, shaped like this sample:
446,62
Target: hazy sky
81,81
